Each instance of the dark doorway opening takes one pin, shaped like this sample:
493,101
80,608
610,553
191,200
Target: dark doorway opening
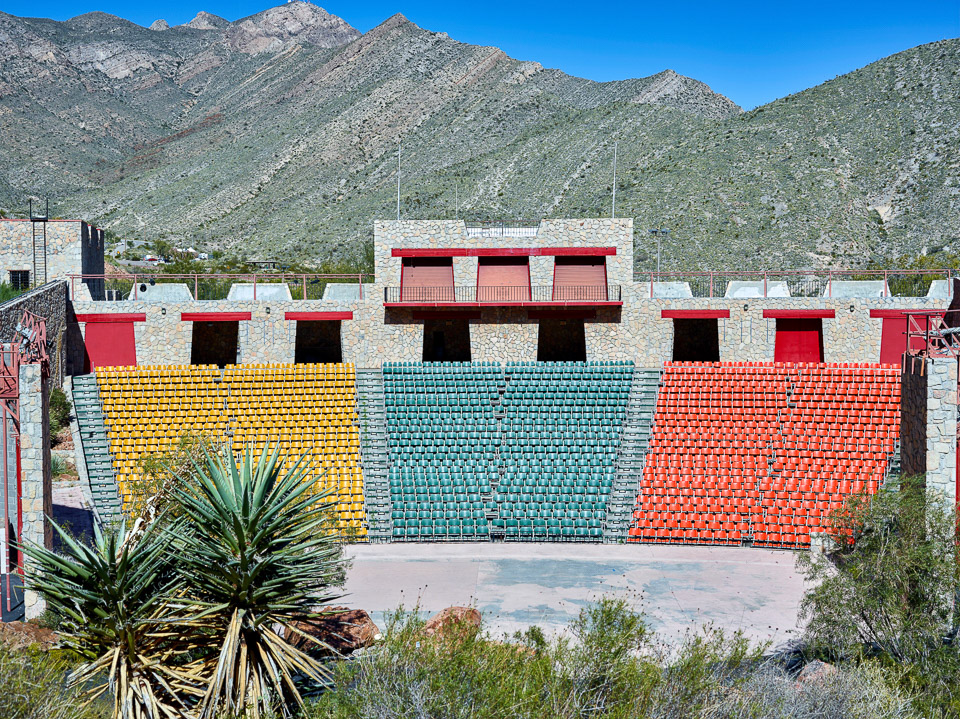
696,340
561,341
214,343
318,341
446,340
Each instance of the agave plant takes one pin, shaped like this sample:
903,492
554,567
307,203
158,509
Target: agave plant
256,561
112,600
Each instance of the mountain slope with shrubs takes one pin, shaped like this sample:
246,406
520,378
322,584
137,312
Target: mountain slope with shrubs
277,135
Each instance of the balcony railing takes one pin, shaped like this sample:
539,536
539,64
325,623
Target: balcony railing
472,294
142,286
799,283
502,228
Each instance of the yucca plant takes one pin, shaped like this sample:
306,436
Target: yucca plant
111,597
255,561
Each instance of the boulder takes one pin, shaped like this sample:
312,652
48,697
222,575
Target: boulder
815,671
344,630
449,618
20,635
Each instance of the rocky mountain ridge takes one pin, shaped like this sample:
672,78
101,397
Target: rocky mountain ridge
276,135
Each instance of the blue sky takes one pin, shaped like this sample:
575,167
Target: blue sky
752,52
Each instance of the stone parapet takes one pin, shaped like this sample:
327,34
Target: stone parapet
50,302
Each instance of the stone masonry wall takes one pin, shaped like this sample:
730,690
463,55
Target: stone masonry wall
73,247
49,302
35,476
413,234
928,424
635,332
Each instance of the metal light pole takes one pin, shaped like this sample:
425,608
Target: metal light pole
399,149
613,209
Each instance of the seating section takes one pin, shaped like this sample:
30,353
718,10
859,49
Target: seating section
443,438
561,431
763,452
310,410
525,451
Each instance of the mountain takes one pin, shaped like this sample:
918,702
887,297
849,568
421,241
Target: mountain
276,136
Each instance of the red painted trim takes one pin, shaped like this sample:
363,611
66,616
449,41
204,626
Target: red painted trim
799,314
113,317
896,314
214,316
503,251
562,314
448,315
694,314
454,305
318,316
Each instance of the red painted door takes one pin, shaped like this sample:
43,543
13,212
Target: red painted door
893,340
799,340
109,344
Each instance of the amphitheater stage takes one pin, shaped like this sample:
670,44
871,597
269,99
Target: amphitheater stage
517,585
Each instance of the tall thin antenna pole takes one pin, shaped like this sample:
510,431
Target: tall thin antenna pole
613,209
399,149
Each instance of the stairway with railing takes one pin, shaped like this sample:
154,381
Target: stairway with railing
95,447
631,457
374,456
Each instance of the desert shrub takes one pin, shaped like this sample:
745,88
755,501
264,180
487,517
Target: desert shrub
60,409
32,687
888,590
608,666
850,692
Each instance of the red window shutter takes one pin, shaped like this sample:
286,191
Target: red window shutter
427,279
503,279
799,340
580,279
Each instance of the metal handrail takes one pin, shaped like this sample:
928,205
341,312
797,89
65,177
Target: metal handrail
295,280
800,283
498,295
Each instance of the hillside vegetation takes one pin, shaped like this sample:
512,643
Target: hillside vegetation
277,135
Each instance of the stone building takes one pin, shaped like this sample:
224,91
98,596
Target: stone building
33,252
561,290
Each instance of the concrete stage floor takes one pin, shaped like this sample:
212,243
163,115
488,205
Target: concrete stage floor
516,585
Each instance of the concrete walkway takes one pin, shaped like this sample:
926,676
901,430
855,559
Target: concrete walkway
516,585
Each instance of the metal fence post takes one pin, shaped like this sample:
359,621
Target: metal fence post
254,287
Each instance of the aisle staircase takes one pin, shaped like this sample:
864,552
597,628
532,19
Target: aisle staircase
96,448
374,456
634,442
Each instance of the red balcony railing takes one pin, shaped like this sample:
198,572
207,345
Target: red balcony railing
473,294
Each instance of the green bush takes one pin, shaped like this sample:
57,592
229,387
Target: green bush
889,589
60,409
609,666
32,687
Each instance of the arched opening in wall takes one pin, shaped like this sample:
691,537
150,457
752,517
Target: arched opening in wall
214,343
318,341
446,340
561,340
799,340
696,340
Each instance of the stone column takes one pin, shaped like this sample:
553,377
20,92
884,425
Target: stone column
35,477
928,423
